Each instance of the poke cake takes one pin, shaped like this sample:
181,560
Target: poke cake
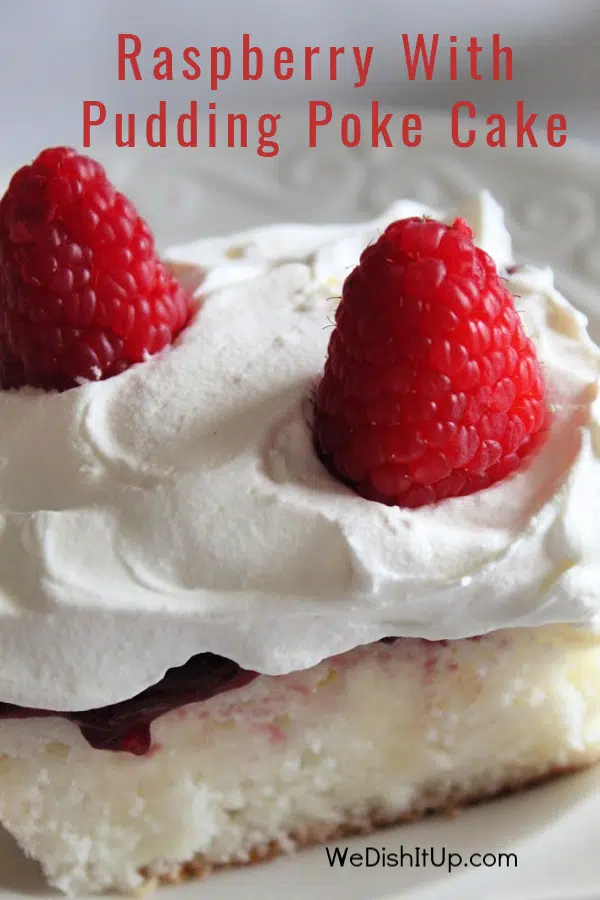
298,529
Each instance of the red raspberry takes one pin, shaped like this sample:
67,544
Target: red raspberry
83,294
431,388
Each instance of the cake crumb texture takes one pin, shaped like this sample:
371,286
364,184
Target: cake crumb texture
381,734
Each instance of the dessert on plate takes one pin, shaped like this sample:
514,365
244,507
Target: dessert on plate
298,530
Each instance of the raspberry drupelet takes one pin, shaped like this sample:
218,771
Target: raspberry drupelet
431,387
83,294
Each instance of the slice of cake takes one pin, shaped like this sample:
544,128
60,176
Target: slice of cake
380,734
298,529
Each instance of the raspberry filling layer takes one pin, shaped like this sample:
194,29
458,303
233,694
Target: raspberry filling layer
125,726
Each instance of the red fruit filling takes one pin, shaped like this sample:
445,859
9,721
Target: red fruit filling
126,726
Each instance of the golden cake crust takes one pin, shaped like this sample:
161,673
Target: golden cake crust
319,834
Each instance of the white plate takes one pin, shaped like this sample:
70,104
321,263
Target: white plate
552,198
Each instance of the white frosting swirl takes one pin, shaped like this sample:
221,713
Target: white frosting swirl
180,507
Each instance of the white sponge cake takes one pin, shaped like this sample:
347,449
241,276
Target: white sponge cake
377,735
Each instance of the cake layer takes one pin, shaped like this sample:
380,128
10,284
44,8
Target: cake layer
377,734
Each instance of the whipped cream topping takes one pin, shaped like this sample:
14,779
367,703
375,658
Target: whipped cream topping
180,507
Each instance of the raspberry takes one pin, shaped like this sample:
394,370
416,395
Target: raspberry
83,294
431,388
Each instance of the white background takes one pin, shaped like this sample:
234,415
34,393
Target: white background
53,55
